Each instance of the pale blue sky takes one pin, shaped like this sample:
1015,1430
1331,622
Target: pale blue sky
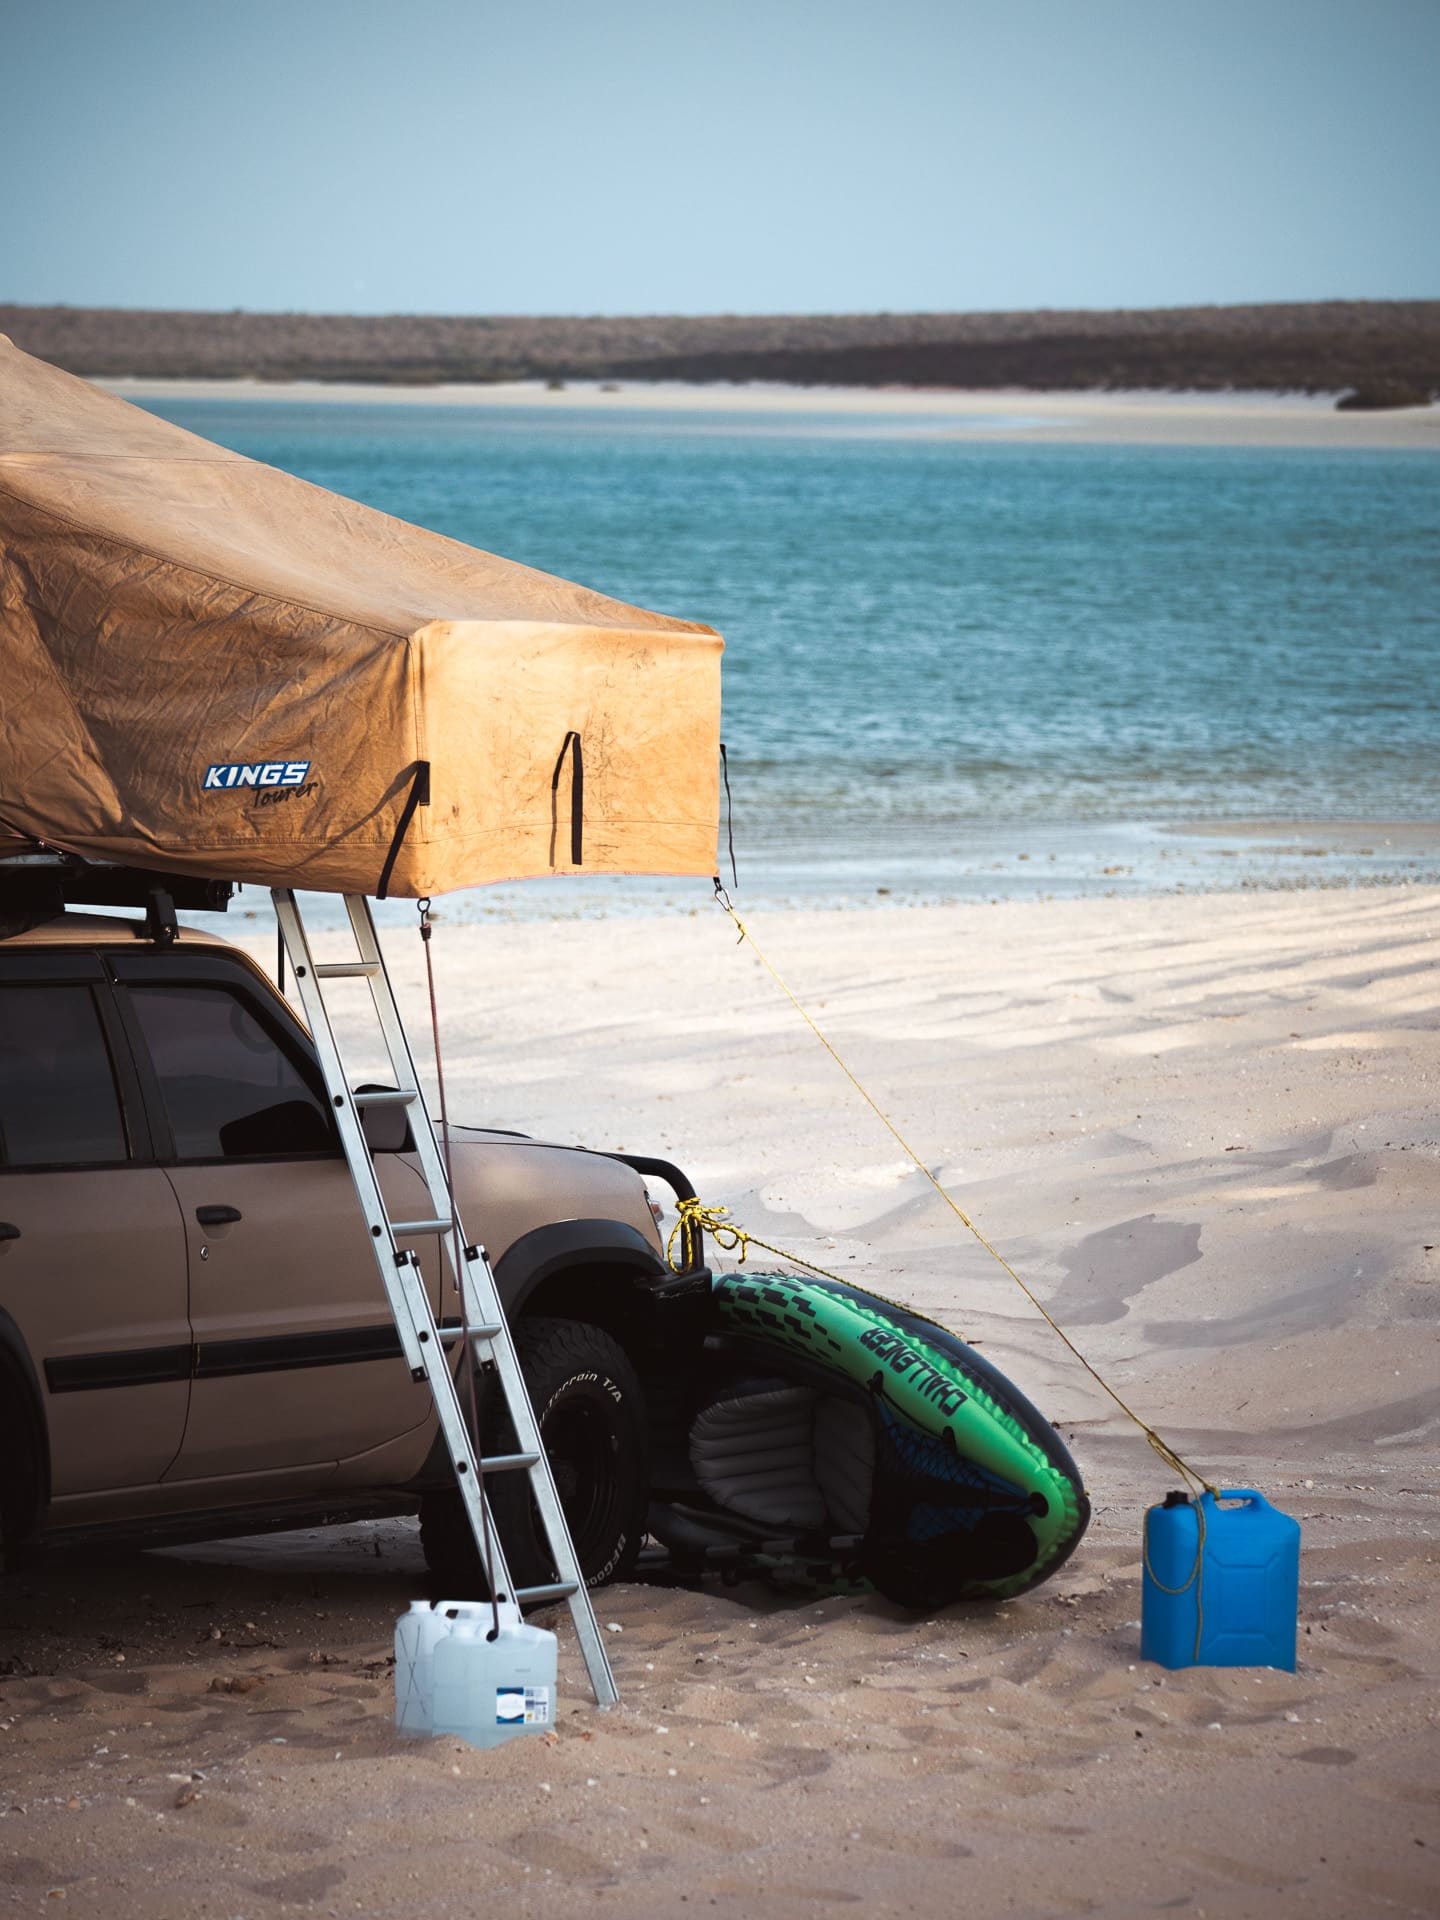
565,156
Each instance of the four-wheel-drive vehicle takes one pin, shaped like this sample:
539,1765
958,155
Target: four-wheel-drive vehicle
193,1341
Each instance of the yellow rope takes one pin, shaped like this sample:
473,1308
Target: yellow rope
728,1235
1166,1452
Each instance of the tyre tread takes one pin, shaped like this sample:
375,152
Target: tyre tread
550,1352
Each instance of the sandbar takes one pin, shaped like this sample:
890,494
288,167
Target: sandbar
1050,418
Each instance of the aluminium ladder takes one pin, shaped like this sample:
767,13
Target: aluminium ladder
481,1314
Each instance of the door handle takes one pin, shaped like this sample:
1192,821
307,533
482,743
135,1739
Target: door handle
7,1232
217,1216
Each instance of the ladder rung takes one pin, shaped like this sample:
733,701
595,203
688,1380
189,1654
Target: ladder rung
402,1229
389,1097
347,970
561,1590
449,1336
508,1462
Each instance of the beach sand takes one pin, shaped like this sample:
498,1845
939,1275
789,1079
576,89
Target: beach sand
1082,419
1204,1128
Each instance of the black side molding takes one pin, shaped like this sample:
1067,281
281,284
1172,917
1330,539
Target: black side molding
136,1367
280,1353
220,1359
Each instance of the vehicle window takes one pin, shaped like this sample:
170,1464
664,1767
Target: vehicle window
58,1103
231,1090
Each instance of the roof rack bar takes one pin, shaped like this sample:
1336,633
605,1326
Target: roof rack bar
58,880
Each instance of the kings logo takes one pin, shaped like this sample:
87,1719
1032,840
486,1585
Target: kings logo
257,773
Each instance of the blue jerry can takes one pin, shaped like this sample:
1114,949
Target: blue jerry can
1232,1605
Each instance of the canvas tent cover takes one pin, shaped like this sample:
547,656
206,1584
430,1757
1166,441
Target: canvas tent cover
210,667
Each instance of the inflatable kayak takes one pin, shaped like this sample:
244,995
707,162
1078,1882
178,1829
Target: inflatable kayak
835,1435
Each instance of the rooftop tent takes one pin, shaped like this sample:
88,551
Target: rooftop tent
208,666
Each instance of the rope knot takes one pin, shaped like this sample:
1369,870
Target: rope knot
699,1219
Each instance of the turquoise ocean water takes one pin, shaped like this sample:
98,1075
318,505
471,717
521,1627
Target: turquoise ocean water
961,669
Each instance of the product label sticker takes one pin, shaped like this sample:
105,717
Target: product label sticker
522,1706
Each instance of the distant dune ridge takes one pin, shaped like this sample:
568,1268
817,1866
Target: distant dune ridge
1389,347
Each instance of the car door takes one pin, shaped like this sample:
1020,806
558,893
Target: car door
297,1363
92,1250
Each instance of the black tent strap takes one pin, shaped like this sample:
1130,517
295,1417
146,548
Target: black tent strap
729,816
577,794
419,796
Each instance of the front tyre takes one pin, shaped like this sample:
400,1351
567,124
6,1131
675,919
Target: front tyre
591,1414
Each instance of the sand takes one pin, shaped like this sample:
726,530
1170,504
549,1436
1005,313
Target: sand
1204,1128
1093,419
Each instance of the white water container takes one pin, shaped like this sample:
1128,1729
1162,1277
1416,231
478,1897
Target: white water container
489,1686
417,1634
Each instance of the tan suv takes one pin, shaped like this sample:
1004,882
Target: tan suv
193,1339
